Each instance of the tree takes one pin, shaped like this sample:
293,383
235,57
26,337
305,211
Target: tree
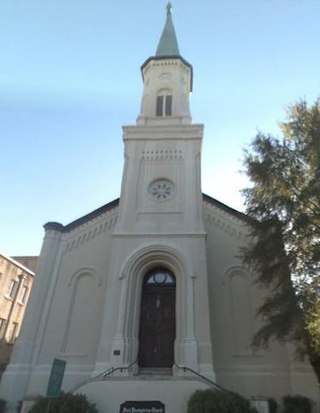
284,204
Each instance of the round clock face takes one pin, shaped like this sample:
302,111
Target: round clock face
161,190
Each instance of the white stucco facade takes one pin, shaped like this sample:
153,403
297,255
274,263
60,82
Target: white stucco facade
85,307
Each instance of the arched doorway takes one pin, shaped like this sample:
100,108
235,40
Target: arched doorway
157,319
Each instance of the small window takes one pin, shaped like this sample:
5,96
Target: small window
12,288
2,327
24,294
14,332
159,109
164,105
168,106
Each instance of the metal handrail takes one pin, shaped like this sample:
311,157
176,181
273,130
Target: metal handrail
113,369
213,383
103,375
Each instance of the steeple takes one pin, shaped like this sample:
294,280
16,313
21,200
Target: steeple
168,44
167,79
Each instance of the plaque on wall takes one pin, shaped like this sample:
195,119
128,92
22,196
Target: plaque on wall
262,405
144,406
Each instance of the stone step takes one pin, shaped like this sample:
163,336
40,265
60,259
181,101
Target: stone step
155,371
172,392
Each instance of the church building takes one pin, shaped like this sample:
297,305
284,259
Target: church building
146,298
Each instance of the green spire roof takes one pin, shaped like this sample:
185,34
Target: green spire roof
168,44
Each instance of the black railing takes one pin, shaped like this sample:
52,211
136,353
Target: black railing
102,375
202,377
113,369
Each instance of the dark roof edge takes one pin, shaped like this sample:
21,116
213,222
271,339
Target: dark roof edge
178,57
88,217
113,204
226,208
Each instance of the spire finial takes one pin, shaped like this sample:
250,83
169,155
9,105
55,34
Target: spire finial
168,45
169,8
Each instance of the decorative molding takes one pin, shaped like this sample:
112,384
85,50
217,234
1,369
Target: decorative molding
235,270
53,226
164,235
74,282
89,231
158,133
165,63
225,222
131,274
241,340
82,272
148,254
162,155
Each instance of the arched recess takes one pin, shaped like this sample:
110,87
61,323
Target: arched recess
134,269
242,318
82,319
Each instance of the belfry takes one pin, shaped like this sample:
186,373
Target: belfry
146,298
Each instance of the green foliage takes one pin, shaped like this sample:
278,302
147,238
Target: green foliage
284,204
218,401
66,403
296,404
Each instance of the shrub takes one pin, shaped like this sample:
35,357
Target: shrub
66,403
218,401
2,405
296,404
273,405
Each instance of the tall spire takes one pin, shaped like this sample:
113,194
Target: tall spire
167,79
168,44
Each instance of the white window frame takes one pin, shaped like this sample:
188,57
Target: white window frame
13,286
164,104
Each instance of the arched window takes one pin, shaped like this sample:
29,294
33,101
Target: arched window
164,103
160,276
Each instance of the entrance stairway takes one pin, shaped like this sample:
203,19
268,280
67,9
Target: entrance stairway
173,391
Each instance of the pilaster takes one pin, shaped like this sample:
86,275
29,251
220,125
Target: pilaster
15,379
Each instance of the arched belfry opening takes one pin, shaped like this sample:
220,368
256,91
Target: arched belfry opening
157,329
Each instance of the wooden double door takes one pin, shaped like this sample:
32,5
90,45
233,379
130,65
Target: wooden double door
157,320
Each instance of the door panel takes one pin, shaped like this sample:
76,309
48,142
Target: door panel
157,326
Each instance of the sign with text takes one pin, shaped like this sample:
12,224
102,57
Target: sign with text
56,377
149,406
261,405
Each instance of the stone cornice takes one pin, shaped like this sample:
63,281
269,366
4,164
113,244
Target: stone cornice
229,221
90,230
160,235
167,61
176,132
53,226
86,228
104,218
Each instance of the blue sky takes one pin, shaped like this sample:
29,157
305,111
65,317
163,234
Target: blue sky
70,78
